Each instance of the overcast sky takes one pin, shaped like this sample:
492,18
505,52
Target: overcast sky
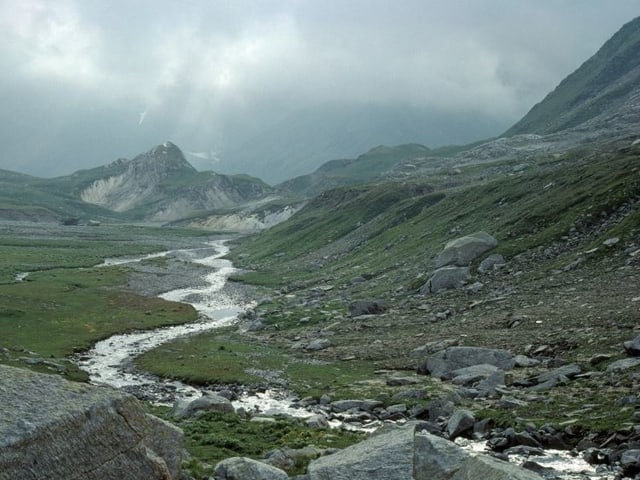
84,82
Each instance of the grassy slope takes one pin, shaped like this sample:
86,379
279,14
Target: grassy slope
366,168
409,222
31,197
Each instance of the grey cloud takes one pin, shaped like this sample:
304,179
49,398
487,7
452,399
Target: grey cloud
211,74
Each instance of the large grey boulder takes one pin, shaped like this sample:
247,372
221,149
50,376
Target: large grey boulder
445,278
462,251
434,457
183,408
242,468
383,456
489,468
442,364
438,459
55,429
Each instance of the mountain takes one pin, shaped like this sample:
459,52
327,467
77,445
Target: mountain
604,88
159,186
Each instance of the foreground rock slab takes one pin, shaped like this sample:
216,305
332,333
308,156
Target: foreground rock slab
55,429
384,456
438,459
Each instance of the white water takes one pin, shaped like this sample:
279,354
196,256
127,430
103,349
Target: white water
109,361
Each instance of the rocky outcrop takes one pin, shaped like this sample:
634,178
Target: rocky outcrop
55,429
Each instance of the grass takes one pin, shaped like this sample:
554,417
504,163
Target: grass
65,304
395,226
215,358
214,436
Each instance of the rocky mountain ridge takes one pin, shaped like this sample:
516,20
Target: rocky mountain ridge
156,186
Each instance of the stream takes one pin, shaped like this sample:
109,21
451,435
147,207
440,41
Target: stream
110,361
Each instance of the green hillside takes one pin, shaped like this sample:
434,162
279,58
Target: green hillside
376,164
400,226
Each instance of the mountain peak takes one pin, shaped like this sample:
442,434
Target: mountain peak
167,157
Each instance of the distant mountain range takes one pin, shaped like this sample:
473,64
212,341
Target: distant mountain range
598,103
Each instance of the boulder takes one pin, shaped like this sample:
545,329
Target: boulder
461,422
560,373
183,408
367,307
624,364
491,384
435,458
289,458
442,364
630,462
489,468
462,251
445,278
632,347
491,262
469,375
438,459
383,456
318,344
344,405
242,468
317,422
55,429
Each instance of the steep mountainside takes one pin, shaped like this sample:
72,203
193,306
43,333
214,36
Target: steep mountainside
605,86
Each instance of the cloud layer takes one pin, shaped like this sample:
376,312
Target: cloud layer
86,81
